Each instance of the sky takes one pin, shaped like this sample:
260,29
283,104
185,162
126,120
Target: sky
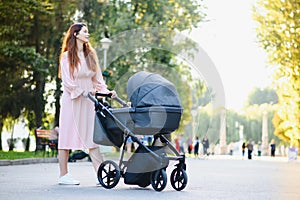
229,39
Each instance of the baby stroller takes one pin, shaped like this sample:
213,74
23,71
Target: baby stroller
156,111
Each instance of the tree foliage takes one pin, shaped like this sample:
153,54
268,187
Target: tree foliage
31,35
260,96
250,121
28,54
22,65
148,50
279,34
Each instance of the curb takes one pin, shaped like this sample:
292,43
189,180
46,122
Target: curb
28,161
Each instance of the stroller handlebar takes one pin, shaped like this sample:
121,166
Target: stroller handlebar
123,103
91,97
103,95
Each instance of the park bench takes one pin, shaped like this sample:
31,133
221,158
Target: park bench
43,143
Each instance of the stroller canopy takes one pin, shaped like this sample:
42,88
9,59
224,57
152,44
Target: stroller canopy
148,89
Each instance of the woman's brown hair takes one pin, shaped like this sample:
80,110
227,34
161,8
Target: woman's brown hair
70,45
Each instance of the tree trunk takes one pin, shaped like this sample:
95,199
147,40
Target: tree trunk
11,144
27,143
57,100
1,126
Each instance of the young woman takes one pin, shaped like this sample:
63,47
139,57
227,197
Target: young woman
80,75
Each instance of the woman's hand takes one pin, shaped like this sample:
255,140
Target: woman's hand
84,94
93,92
113,94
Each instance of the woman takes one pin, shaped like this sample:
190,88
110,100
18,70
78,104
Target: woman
80,75
273,148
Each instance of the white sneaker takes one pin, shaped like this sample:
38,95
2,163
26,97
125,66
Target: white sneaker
67,180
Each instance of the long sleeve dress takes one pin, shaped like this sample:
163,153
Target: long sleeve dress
77,112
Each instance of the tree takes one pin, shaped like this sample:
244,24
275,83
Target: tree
147,48
29,43
278,33
19,59
260,96
30,40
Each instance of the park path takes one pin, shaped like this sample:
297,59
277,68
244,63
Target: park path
215,177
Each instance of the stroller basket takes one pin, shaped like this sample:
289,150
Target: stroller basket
140,174
146,120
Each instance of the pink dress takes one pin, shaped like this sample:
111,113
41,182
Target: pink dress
77,112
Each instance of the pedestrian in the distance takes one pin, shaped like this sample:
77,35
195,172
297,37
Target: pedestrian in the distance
196,147
80,74
259,148
181,145
189,145
273,148
243,148
205,143
177,145
231,148
250,149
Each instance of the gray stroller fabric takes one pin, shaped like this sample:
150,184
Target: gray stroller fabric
147,89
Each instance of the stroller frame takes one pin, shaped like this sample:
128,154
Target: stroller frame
109,173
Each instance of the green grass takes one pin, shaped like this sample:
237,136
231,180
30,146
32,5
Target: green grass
13,155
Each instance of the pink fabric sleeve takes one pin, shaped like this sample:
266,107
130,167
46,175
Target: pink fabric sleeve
99,83
69,83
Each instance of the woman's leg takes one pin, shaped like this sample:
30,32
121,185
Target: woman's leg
96,157
63,156
65,178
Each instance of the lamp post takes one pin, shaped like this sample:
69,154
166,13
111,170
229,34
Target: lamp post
105,45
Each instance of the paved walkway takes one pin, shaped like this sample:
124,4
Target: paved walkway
217,177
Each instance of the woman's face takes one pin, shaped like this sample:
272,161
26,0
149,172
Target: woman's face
83,35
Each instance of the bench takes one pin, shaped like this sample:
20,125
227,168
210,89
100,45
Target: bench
44,144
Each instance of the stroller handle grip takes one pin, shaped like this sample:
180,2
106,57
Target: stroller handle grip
91,97
103,95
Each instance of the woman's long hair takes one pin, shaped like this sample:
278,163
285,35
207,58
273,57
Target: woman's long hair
70,45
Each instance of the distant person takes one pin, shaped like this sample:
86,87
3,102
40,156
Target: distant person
181,145
273,148
250,149
259,148
190,145
177,146
205,143
243,148
231,148
129,143
196,147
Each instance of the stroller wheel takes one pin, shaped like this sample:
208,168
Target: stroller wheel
159,180
178,179
109,174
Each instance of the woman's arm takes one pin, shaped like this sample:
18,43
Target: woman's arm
68,82
99,84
